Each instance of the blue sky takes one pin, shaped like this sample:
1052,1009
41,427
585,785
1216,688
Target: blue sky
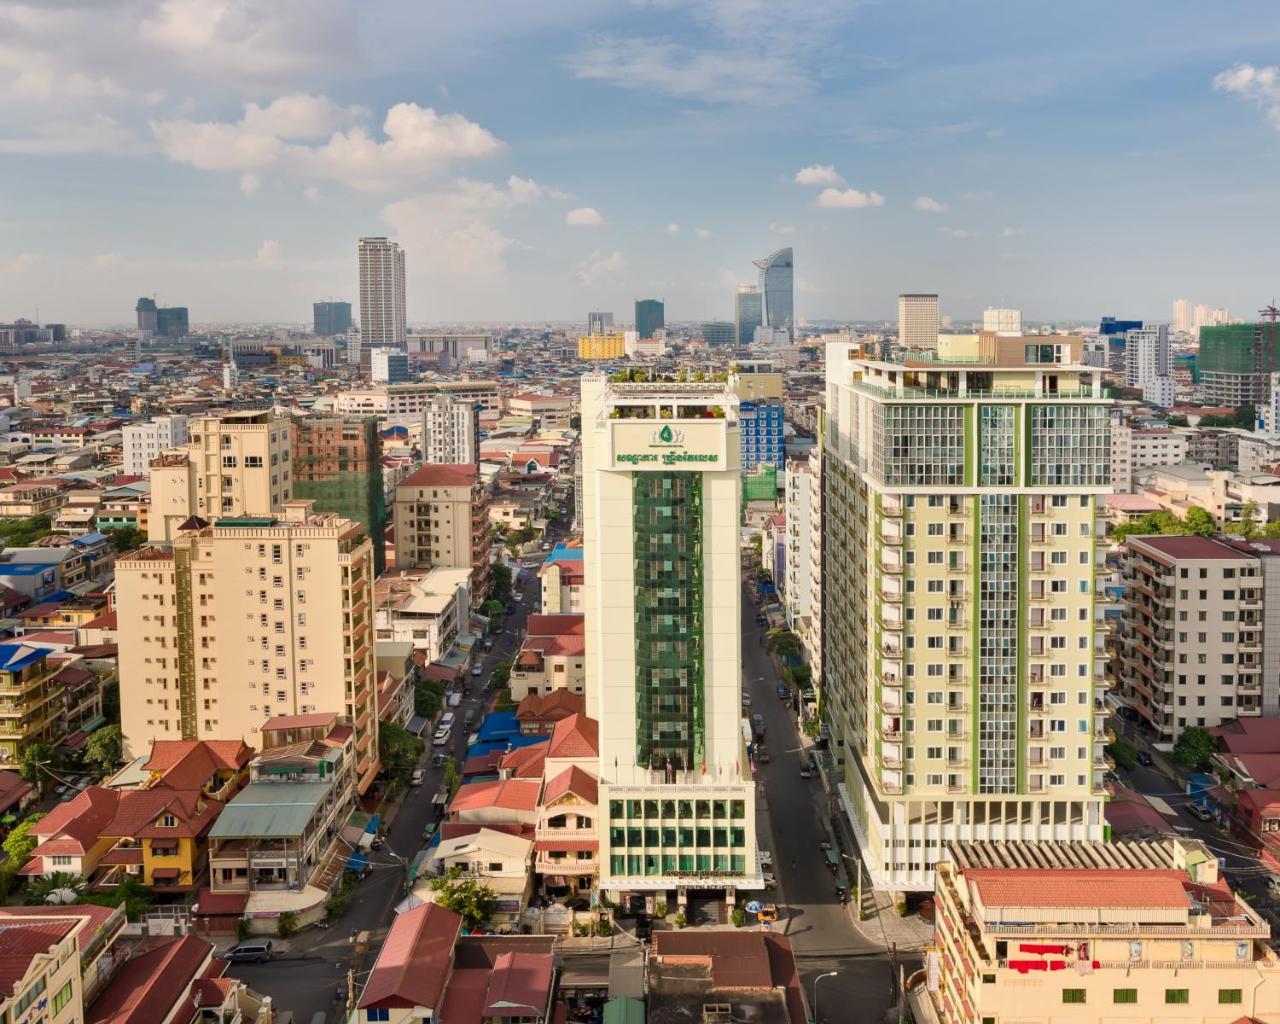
540,160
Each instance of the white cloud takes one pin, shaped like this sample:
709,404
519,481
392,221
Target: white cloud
269,252
107,260
929,205
819,174
312,192
673,229
600,267
418,141
584,217
702,233
250,183
1012,233
848,199
782,229
1257,85
955,232
20,263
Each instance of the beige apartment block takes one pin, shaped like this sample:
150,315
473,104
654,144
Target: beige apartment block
1127,933
1193,639
442,521
962,622
236,464
245,620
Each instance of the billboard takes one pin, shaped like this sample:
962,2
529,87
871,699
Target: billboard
670,444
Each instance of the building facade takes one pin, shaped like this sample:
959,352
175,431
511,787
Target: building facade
1002,321
389,366
748,313
248,619
1146,355
599,322
962,663
450,431
330,318
602,346
650,317
442,522
918,321
142,442
663,615
761,422
797,587
777,290
718,333
382,309
1235,363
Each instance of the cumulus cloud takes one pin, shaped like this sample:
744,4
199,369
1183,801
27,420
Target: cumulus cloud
848,199
1260,86
929,205
601,267
673,229
107,260
584,217
417,142
819,174
269,252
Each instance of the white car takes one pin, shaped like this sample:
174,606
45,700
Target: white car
440,738
765,858
418,777
446,720
770,881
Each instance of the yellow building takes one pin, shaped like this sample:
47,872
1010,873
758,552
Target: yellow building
236,464
248,619
602,346
962,660
1125,933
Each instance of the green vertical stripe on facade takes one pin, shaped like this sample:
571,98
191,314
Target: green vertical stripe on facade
1020,476
970,445
1023,621
975,510
1022,436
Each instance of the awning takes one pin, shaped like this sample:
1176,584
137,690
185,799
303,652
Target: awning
76,740
417,724
94,723
357,862
212,904
372,827
166,874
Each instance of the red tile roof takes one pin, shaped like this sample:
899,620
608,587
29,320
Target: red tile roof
519,980
557,624
151,986
442,475
282,722
556,704
1018,887
526,762
21,941
507,794
572,780
414,962
575,736
219,755
212,904
75,827
1197,548
13,787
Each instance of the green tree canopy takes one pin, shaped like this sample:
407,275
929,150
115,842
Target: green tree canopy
1193,749
126,538
784,643
1198,522
30,767
428,696
105,749
501,674
18,844
466,897
399,750
1244,417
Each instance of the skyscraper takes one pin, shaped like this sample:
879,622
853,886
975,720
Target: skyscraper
450,431
599,323
382,314
1146,355
330,318
748,312
650,316
777,288
918,321
719,333
146,311
1181,316
662,600
962,619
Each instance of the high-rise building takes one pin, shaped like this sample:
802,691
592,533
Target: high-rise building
330,318
599,323
1200,316
1182,316
142,442
717,333
1110,325
450,431
758,385
236,464
442,522
918,321
173,322
389,366
602,346
1002,321
250,618
458,350
337,464
797,583
748,313
650,316
777,288
146,311
1236,361
962,660
662,599
382,309
1146,355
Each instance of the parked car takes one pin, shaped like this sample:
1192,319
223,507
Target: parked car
1197,811
440,738
255,951
418,777
758,721
805,773
784,692
477,670
765,858
746,700
446,720
438,760
770,880
1144,759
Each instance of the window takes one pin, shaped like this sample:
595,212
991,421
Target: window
168,821
1180,996
377,1013
1073,995
1124,995
1225,995
63,996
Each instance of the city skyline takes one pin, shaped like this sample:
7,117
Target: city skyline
226,155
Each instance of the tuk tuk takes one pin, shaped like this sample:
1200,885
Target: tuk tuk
769,912
832,858
842,892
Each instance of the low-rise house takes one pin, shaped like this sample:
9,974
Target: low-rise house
427,608
537,715
566,840
502,801
551,656
563,579
499,860
735,976
32,498
575,743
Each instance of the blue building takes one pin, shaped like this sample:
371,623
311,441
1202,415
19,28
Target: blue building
1110,325
760,427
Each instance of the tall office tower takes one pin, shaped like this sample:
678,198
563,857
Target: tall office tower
1200,316
719,333
1219,315
442,522
650,317
962,657
1235,363
330,318
389,366
1146,355
173,322
234,623
142,442
146,311
450,431
600,323
1181,316
918,321
748,313
797,583
663,605
382,316
777,288
1002,321
236,464
337,464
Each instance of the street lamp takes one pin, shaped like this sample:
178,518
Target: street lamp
829,974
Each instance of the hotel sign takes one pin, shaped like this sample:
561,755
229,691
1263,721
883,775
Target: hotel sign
667,444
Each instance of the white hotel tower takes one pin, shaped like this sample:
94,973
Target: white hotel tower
661,498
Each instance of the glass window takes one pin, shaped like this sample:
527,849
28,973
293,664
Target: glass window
1177,995
1073,995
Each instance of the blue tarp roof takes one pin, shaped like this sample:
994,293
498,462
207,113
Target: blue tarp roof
485,747
24,568
498,725
563,553
16,657
89,538
357,862
372,827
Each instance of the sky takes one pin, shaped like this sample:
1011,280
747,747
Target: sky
539,160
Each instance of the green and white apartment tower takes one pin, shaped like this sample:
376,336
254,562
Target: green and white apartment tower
962,621
661,497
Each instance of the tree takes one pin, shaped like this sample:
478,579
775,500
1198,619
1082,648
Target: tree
1177,421
18,844
1200,523
1124,753
500,583
30,767
105,749
126,538
784,643
111,701
399,750
501,674
1247,526
492,608
61,883
1272,530
465,896
1244,416
551,515
451,779
1193,749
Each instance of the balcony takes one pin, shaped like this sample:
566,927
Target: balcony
890,562
891,533
891,506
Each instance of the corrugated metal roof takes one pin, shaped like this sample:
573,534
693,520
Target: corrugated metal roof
264,810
